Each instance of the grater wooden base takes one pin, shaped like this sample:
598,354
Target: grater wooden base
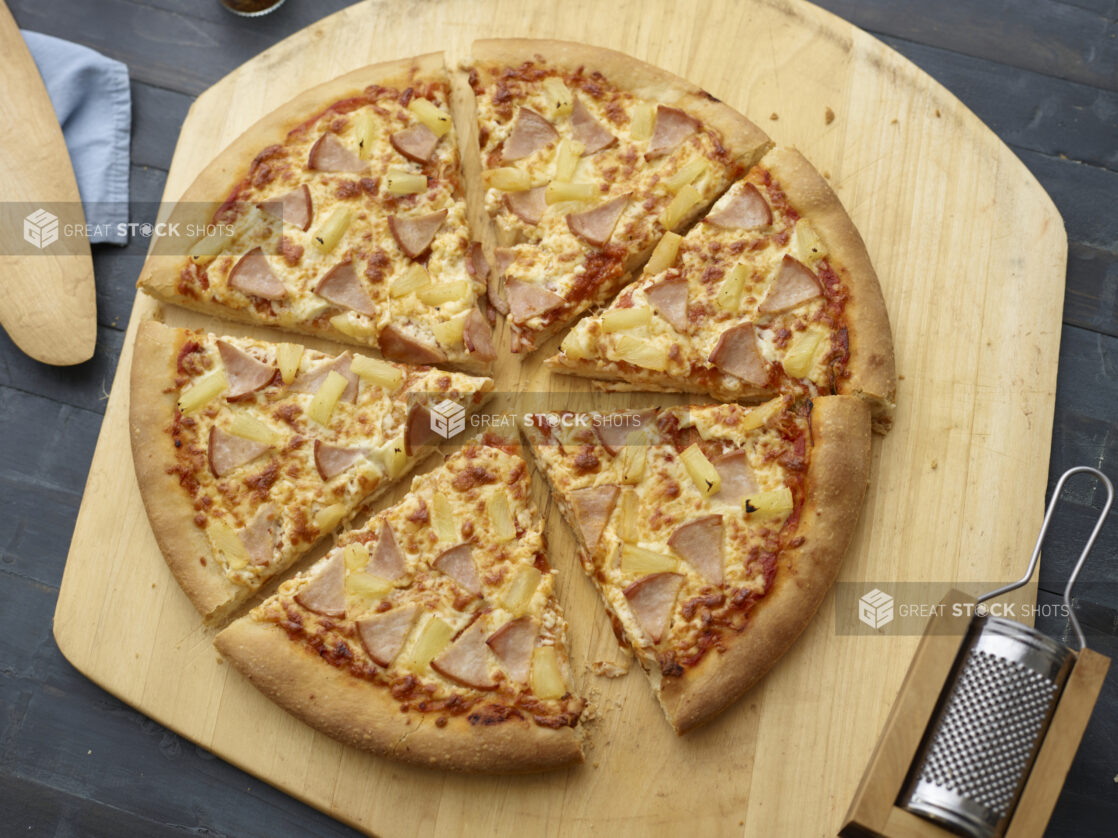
874,812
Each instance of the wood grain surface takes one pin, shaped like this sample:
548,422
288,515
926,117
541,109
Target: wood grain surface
48,306
75,760
971,253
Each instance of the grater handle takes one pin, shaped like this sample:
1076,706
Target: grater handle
1082,556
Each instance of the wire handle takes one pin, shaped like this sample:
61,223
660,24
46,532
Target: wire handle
1082,556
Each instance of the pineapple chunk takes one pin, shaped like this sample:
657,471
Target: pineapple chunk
413,279
227,544
403,182
633,458
366,586
508,179
558,191
799,360
348,325
329,517
702,471
205,249
449,332
333,228
733,286
640,125
566,159
499,516
430,115
689,172
444,292
203,391
761,414
775,503
520,591
641,353
288,358
356,556
381,373
641,562
627,528
809,246
558,96
322,405
663,257
442,518
245,426
365,131
577,344
395,457
622,319
685,200
432,639
547,679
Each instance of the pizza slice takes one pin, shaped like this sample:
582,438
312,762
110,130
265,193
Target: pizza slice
342,215
712,533
432,634
247,452
588,157
771,292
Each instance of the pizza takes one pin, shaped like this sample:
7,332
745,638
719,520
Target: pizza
431,634
588,158
399,209
341,215
711,532
771,292
247,452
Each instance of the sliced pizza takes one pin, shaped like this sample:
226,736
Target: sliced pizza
432,634
247,452
712,533
772,292
341,214
588,157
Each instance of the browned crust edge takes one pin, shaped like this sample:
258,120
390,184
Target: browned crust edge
364,715
742,137
160,274
872,365
837,478
745,141
614,378
150,414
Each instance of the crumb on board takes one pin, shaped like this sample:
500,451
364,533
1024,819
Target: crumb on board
827,174
893,121
937,113
828,116
774,116
609,669
935,464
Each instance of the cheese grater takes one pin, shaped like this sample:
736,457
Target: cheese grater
995,709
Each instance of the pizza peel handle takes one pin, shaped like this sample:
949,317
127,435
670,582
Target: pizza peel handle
995,710
47,303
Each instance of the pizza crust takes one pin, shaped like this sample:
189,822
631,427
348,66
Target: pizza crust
170,511
364,715
744,140
836,483
872,366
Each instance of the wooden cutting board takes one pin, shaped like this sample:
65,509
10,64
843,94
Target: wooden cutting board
48,306
971,254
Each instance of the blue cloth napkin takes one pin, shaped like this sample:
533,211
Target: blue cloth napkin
93,102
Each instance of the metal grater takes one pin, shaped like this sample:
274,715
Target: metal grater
994,710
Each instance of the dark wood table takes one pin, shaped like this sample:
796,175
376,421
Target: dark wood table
74,761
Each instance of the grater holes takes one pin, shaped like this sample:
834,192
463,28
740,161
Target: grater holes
987,732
